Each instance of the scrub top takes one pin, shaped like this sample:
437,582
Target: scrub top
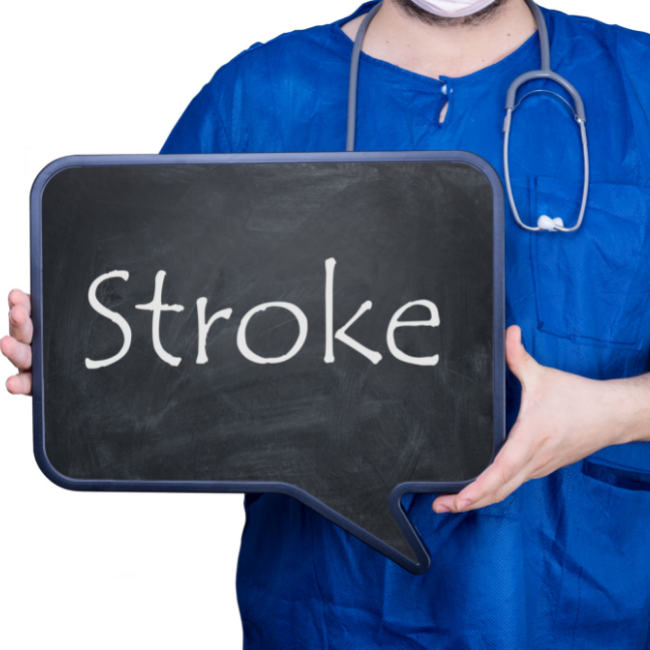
564,562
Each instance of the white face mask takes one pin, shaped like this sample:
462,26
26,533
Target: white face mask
453,8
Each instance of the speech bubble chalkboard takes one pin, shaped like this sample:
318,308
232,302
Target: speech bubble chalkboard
327,326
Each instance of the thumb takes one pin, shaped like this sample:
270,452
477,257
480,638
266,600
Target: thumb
522,365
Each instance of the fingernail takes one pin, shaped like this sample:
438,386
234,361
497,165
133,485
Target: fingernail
442,509
464,504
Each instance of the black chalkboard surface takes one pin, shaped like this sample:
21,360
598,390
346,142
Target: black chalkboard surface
328,326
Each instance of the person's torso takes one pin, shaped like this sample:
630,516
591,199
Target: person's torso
562,552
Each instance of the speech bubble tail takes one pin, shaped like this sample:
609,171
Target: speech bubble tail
422,561
392,533
388,530
408,530
396,538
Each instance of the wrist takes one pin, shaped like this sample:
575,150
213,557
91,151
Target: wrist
629,400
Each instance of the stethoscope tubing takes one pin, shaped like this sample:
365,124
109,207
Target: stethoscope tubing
511,106
354,77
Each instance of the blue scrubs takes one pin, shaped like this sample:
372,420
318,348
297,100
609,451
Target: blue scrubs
564,562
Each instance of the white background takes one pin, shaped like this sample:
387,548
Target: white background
130,571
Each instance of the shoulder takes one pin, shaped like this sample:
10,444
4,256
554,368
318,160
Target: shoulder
588,39
264,97
293,57
290,50
267,96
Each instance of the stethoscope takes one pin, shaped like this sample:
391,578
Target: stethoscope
577,111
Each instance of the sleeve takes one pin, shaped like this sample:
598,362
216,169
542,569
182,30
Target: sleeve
200,128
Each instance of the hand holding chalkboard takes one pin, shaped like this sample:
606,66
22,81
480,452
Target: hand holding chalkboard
324,326
16,346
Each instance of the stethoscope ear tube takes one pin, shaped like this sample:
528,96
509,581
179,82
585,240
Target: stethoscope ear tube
511,97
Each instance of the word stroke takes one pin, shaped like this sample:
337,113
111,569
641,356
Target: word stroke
157,307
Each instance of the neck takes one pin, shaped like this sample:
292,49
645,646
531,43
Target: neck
452,48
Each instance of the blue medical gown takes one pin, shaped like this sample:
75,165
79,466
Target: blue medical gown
564,562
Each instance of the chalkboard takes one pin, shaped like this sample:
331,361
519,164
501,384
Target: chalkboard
327,326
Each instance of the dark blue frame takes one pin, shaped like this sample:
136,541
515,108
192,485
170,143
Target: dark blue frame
423,557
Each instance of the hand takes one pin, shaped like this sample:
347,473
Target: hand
17,346
562,419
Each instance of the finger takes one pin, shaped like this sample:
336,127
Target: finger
20,324
500,493
522,365
18,353
18,297
462,502
511,464
20,384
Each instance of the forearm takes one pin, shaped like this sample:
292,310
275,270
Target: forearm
630,402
